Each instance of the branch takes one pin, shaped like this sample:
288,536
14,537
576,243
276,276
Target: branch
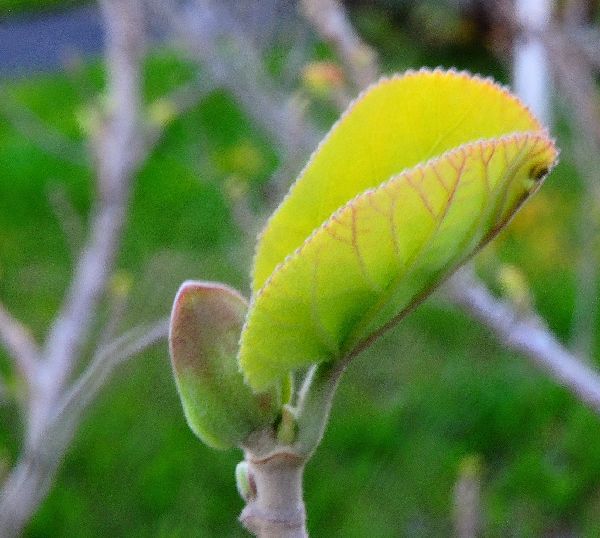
20,344
166,109
276,508
528,335
118,151
531,70
103,364
330,20
45,137
30,479
68,219
209,33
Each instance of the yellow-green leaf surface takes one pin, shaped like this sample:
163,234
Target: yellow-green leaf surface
220,408
420,172
398,123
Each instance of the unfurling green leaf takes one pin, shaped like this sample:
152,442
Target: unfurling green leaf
418,174
220,408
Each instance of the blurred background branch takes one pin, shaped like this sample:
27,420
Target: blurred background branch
21,346
330,20
528,335
574,75
208,33
117,149
47,138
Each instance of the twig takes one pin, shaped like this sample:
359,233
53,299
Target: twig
330,20
20,344
106,359
67,217
118,151
42,135
528,335
208,32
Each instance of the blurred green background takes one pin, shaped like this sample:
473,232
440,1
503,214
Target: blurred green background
431,395
9,8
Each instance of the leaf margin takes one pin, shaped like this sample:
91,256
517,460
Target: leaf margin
484,81
541,135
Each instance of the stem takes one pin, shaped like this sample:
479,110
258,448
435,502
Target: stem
275,508
29,481
316,399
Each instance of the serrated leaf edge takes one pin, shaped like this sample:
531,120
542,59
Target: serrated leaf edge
439,71
542,135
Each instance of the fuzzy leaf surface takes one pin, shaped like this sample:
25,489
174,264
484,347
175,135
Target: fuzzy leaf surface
384,251
394,125
219,407
418,174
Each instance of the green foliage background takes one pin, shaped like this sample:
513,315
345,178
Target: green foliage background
437,391
9,8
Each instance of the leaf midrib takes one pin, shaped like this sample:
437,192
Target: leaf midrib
353,341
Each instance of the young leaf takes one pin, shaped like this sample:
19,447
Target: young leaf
396,124
219,407
377,223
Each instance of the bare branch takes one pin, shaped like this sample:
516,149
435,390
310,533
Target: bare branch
39,133
106,359
67,217
19,343
209,33
330,20
118,150
28,482
528,335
